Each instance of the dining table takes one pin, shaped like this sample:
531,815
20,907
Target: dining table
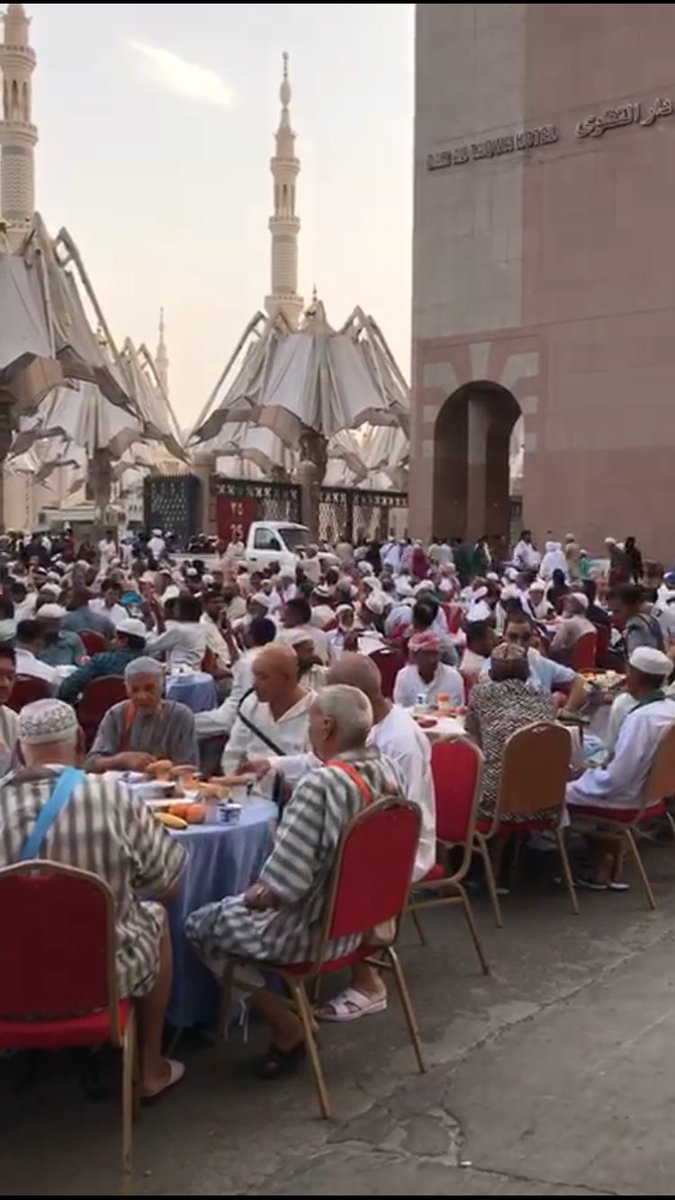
223,859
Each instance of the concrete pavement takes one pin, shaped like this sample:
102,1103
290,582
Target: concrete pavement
551,1077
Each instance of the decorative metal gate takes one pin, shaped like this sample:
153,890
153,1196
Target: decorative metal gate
354,513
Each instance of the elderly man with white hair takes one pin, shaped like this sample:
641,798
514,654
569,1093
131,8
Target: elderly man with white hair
278,919
146,727
96,826
574,625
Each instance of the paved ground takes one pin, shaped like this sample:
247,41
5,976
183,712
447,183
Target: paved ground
552,1077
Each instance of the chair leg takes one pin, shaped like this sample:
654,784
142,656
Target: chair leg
473,929
128,1057
671,822
305,1013
490,879
515,861
567,870
406,1005
224,1007
651,899
419,927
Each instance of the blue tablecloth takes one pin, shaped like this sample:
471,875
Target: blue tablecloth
197,691
224,859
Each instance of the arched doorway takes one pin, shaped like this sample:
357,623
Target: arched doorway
471,462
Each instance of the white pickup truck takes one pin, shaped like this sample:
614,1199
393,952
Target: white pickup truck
280,542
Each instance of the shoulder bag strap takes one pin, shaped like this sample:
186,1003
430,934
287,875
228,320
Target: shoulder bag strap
127,721
60,795
353,774
253,728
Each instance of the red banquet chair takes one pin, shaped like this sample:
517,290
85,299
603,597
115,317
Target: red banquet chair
583,652
457,768
57,957
388,663
26,689
94,643
625,822
534,772
367,889
97,698
454,614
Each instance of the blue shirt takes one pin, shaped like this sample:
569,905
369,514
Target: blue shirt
67,651
108,662
545,673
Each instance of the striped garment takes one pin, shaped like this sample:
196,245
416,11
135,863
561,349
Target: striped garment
103,830
298,871
170,733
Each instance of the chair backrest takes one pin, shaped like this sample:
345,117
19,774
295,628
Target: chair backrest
57,943
660,781
454,614
373,868
388,663
94,643
97,698
535,768
26,689
457,769
583,652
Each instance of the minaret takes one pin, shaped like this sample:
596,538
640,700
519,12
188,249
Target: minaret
17,135
161,357
284,225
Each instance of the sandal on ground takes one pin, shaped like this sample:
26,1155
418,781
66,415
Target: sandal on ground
350,1005
176,1073
588,884
277,1064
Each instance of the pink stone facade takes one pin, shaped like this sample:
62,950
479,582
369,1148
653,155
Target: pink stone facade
550,271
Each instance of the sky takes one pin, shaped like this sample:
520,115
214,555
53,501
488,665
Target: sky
156,127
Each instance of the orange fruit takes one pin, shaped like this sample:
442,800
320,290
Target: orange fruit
179,810
195,814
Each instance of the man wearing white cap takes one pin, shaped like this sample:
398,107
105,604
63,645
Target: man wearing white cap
129,644
156,544
62,647
97,826
620,783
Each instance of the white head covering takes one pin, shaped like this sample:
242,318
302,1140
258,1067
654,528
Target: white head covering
581,598
648,661
133,627
261,599
53,612
375,603
296,636
46,721
425,585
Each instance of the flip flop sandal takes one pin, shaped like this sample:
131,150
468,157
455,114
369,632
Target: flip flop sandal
176,1073
278,1064
349,1006
617,885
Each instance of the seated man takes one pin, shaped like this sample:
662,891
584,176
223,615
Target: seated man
279,918
297,614
144,728
480,642
62,647
632,613
311,674
29,643
274,717
426,675
9,722
103,830
545,674
219,721
619,784
80,616
128,644
574,625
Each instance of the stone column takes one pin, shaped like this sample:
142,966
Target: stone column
99,486
6,402
204,467
311,472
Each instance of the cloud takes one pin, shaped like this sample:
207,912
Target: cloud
180,76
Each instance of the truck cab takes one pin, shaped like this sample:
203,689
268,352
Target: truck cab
281,542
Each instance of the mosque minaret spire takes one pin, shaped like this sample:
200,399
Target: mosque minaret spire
162,357
18,135
284,224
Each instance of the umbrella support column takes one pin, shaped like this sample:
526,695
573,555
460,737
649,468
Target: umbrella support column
310,473
99,485
6,404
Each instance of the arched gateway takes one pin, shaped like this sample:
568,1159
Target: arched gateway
472,435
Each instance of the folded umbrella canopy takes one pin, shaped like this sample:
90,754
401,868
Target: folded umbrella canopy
28,367
316,380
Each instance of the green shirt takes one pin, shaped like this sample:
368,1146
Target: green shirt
67,651
108,662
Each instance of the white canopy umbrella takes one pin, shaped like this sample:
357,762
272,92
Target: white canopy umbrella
316,380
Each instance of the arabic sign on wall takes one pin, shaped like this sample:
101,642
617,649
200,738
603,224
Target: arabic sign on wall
545,135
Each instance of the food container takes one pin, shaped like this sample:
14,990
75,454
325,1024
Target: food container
443,704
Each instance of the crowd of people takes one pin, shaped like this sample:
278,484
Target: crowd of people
319,672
